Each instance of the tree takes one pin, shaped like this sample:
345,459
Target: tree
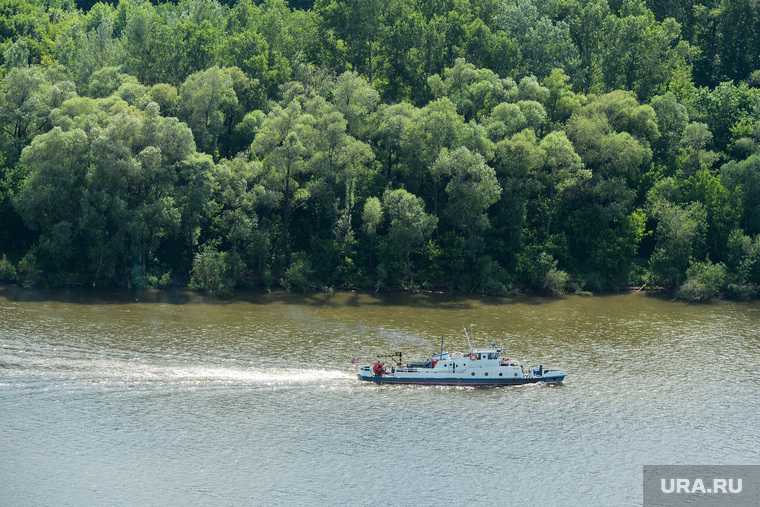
505,121
739,38
584,23
248,51
639,52
613,135
207,99
672,118
680,235
562,102
394,136
372,215
474,91
743,179
471,188
280,147
356,99
108,199
356,23
544,44
408,227
27,97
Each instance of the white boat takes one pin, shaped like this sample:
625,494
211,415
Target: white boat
480,367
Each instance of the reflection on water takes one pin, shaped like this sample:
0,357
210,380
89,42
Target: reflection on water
176,400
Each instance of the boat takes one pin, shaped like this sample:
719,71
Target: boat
480,367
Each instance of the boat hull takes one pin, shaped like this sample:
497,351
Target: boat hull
463,382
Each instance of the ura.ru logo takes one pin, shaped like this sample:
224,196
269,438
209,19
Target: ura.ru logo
716,486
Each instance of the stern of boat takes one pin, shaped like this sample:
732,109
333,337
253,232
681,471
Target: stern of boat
553,376
365,373
548,376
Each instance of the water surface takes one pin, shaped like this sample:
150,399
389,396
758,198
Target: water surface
110,401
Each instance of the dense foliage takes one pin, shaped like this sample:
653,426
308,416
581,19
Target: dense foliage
470,145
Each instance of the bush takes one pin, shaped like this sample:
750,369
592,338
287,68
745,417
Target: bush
215,272
754,79
7,270
160,281
533,264
741,291
298,277
494,280
556,281
704,281
538,271
28,273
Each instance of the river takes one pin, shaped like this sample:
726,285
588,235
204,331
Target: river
181,401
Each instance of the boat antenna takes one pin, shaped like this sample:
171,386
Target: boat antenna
441,356
467,335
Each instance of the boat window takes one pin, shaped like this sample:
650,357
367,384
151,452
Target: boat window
501,374
486,374
473,374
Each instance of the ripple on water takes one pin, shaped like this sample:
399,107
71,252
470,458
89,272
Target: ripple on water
256,402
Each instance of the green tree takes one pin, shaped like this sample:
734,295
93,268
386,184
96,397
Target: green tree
215,272
680,235
356,99
640,53
408,227
279,145
471,188
743,179
207,99
474,91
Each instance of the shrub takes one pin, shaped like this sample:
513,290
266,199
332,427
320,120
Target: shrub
704,281
494,280
754,79
298,276
539,272
7,270
555,282
215,272
740,291
28,273
533,264
159,281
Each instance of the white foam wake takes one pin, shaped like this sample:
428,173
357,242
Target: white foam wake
90,367
264,376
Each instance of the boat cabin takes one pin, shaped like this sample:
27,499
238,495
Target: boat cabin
478,363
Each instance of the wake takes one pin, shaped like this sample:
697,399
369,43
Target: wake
62,364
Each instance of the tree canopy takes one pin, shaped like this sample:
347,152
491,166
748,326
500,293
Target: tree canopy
481,146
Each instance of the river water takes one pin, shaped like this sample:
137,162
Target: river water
180,401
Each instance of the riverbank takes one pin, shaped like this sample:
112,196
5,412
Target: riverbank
83,295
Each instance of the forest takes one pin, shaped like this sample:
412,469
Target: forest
471,146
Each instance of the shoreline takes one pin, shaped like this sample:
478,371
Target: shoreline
180,295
